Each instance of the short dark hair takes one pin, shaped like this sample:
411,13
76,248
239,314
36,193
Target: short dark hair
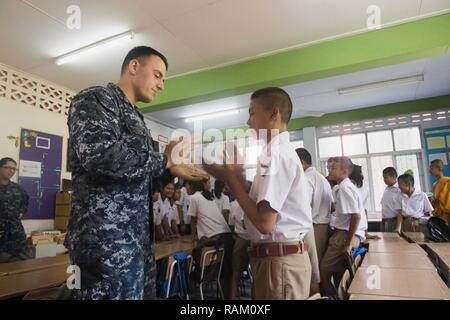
437,163
139,53
357,175
304,155
390,171
407,178
5,160
275,97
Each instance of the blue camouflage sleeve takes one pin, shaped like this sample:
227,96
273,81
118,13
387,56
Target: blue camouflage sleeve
97,140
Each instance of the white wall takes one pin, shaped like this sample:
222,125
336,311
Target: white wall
13,117
157,129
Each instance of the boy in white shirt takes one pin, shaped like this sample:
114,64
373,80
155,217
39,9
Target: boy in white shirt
240,258
277,209
348,227
412,205
389,200
321,200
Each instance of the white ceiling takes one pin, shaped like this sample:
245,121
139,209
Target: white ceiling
194,34
321,96
202,34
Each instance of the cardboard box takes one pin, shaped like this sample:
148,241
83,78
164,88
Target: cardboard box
61,223
63,198
63,210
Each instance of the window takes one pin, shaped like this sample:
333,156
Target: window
378,164
330,147
380,141
354,144
297,144
407,139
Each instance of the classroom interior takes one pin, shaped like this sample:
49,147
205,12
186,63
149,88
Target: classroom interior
369,80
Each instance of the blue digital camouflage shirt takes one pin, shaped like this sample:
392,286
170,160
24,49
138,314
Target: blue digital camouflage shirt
110,232
13,202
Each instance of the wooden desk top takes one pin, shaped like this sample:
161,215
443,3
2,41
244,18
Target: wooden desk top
33,264
21,283
406,283
398,260
164,249
442,248
396,247
386,235
417,237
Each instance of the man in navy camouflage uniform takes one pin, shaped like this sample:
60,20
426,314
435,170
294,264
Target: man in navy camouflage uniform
13,205
110,233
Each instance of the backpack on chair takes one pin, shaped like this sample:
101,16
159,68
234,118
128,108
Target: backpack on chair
438,230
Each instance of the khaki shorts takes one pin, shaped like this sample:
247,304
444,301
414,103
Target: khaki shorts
281,278
333,262
240,259
388,225
321,234
410,224
313,258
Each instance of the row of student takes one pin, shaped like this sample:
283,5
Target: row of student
403,205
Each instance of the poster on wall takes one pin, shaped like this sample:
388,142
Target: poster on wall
437,146
40,171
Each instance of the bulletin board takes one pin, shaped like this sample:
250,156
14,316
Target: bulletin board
437,146
40,171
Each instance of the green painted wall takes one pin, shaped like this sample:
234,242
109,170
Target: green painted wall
406,42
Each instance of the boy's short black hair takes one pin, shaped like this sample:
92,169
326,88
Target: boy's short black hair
275,97
304,155
390,171
407,178
139,53
437,163
5,160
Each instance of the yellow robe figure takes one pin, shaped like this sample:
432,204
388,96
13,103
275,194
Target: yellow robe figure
441,196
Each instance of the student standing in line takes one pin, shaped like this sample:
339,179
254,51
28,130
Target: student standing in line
388,201
240,258
412,206
277,209
321,201
441,191
348,227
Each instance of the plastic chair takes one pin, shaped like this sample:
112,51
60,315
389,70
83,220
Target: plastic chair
177,282
211,268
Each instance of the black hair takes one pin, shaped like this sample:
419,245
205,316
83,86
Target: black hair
198,186
390,171
218,185
139,53
304,155
356,176
407,178
275,97
437,163
5,160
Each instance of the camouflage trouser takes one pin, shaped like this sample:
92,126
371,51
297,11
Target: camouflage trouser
119,272
12,237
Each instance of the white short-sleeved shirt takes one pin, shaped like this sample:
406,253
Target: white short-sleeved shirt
391,195
210,221
415,206
157,219
236,219
281,182
223,203
349,201
321,197
184,202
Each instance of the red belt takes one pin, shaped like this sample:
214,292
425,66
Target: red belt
276,249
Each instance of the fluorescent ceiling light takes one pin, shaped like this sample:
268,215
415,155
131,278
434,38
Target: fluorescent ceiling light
95,47
382,84
212,115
